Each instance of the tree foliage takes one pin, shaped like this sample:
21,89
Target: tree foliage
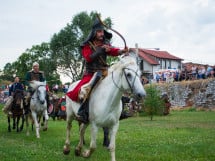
38,53
153,104
65,45
60,55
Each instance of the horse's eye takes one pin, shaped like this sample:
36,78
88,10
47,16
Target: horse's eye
128,75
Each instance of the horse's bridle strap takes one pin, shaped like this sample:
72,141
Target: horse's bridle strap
131,85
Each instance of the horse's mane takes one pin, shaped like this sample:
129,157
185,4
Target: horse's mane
123,62
34,84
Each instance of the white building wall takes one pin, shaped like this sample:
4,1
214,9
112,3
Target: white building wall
150,68
166,63
175,64
153,68
147,66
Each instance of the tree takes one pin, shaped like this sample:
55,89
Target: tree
39,53
62,54
65,45
153,104
10,70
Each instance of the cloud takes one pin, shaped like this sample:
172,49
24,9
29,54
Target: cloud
185,29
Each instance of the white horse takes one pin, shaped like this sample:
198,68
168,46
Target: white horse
105,104
38,106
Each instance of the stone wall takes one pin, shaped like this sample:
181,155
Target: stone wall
196,93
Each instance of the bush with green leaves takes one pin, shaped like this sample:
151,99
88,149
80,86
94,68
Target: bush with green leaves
153,103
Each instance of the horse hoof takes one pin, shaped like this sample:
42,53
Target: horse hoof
66,151
86,154
77,152
45,129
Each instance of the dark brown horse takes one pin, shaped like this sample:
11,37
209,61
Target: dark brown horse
17,111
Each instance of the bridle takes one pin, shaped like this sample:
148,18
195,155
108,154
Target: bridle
37,93
131,85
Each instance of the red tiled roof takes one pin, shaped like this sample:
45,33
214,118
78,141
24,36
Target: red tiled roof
148,55
148,58
159,54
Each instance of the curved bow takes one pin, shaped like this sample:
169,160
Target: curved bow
112,30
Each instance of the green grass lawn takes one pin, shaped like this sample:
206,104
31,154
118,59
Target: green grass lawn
180,136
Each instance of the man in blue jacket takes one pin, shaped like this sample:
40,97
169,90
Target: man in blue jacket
15,86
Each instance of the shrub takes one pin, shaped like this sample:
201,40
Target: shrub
153,104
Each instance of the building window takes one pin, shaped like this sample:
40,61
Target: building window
169,64
141,65
160,62
165,64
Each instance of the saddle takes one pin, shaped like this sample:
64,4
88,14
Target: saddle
86,89
84,92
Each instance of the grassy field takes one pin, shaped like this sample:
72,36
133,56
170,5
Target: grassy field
180,136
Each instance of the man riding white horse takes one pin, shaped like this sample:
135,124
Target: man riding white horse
34,74
95,50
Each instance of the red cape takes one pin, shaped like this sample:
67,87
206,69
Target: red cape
73,95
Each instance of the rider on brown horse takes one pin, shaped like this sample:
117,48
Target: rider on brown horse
15,86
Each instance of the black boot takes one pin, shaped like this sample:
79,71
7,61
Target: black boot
96,78
83,112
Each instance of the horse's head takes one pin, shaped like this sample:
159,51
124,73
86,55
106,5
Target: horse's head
130,75
40,90
18,97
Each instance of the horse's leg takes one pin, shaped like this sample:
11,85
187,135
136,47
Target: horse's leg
14,122
37,125
66,148
17,123
79,124
8,120
113,131
46,117
32,125
106,140
94,131
23,120
27,124
82,129
42,122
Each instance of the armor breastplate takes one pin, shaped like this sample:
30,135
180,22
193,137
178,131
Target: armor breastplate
98,64
35,76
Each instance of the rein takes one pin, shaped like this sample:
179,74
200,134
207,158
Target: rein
131,85
37,96
136,75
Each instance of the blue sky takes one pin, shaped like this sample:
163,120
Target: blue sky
184,28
